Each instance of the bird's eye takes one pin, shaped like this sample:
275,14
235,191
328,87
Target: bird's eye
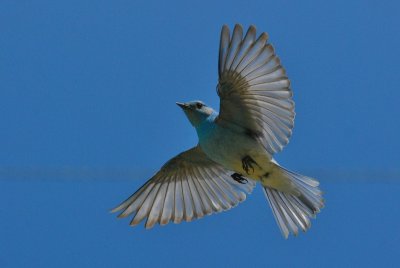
199,105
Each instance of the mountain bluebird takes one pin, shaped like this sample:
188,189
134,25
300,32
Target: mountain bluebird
235,147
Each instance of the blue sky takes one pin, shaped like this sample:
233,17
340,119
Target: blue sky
87,113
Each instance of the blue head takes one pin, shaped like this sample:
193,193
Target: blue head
196,111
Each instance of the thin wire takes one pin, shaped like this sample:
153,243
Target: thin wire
82,174
72,174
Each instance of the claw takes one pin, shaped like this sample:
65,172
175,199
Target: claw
239,178
247,163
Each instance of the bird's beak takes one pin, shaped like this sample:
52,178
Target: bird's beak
182,105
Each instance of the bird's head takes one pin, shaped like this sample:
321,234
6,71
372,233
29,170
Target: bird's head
196,111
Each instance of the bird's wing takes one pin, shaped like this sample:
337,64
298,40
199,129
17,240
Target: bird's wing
187,187
254,89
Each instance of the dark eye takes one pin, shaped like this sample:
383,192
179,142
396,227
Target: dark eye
199,105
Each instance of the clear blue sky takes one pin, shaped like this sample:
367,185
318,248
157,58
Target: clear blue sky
91,85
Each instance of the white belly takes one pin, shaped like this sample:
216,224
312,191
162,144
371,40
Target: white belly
228,148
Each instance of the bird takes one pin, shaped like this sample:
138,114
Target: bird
235,146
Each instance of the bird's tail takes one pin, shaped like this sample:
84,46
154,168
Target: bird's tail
293,210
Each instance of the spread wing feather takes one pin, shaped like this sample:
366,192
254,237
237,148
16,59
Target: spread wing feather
188,187
254,89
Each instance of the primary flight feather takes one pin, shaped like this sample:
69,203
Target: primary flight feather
235,147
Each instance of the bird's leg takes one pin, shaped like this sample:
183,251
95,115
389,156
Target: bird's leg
247,163
239,178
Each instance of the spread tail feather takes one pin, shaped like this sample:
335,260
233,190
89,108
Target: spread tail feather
293,211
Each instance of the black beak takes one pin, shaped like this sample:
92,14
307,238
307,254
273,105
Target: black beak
182,105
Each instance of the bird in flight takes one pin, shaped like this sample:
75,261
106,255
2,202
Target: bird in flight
235,148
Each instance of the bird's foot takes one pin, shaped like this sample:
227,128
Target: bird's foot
239,178
247,164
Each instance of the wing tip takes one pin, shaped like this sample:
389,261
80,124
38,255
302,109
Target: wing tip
113,210
238,26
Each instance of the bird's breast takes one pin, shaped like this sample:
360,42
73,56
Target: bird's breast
228,148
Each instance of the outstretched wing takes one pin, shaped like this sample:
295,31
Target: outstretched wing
187,187
254,89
